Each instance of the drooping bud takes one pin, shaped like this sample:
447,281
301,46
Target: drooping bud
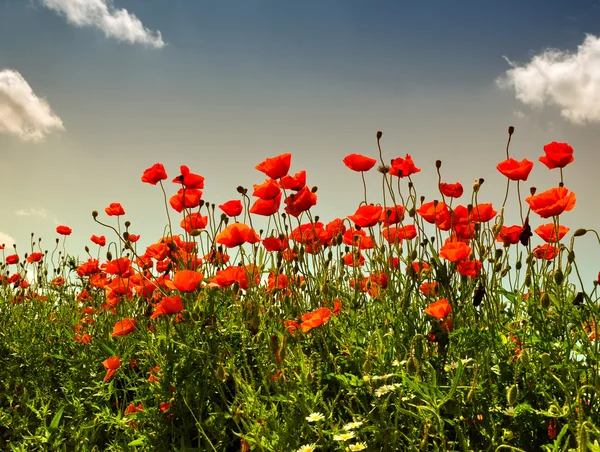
379,134
438,164
511,130
94,214
579,232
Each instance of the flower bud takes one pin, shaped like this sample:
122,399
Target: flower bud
545,301
127,223
108,256
512,393
546,360
94,214
314,189
532,190
438,164
558,276
379,134
511,130
579,232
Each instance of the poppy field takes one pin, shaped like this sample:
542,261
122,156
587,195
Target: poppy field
255,325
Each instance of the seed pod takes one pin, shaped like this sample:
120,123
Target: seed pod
558,276
512,393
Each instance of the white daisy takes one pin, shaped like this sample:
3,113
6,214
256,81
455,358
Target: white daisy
314,417
344,436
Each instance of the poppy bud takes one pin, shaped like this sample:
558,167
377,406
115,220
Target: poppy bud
240,189
545,301
317,218
478,296
127,223
195,232
438,164
528,279
108,256
87,249
579,232
504,271
571,257
512,393
558,276
511,130
94,214
561,184
518,265
379,134
497,267
578,299
413,255
546,360
532,190
314,189
481,180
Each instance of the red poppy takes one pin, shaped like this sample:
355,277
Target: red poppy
308,233
357,162
188,179
124,327
392,215
451,190
315,318
366,216
558,155
228,276
552,202
88,268
276,281
114,210
358,238
117,266
232,208
548,232
154,174
266,208
98,240
482,213
168,305
514,169
194,221
276,167
455,251
33,257
12,259
295,182
436,212
469,268
187,280
403,167
547,252
111,364
509,235
185,198
300,202
396,234
133,238
58,281
237,234
132,409
355,259
429,288
64,230
334,228
269,189
439,309
275,244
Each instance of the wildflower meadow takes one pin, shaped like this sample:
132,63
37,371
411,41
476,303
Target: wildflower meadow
255,325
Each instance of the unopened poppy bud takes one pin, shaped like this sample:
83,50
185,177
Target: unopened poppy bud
195,232
504,271
201,204
127,223
532,190
438,164
546,360
571,257
512,393
545,301
236,287
579,232
561,184
240,189
108,256
379,134
518,265
94,214
497,267
422,199
558,276
126,235
511,130
413,255
469,208
314,189
435,203
87,249
317,218
528,279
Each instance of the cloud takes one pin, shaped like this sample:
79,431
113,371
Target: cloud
115,23
6,240
519,114
22,113
31,213
568,80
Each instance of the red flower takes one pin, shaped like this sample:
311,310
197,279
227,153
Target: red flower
185,198
275,244
451,190
469,268
403,167
509,235
366,216
514,169
315,318
300,202
546,251
295,182
12,259
154,174
33,257
357,162
355,259
266,208
98,240
482,213
455,251
429,288
396,234
232,208
187,280
111,364
117,266
194,221
133,238
392,215
276,167
168,305
64,230
439,309
269,189
237,234
276,281
189,180
436,212
115,209
552,202
548,232
558,155
124,327
230,275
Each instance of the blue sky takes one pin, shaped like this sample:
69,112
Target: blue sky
93,92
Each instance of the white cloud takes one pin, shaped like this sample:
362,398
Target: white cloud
519,114
568,80
31,213
114,22
6,240
22,113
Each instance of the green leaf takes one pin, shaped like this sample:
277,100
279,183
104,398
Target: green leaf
56,419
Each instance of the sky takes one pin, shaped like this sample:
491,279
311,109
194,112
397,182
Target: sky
93,92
